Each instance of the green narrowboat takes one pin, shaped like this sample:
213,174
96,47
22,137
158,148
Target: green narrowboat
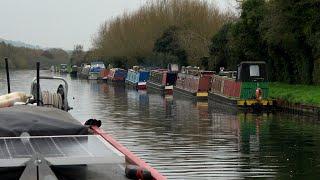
246,88
63,68
73,70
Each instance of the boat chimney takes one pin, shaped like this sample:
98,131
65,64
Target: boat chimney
8,76
38,83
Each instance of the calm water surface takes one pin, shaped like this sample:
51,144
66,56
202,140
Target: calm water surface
188,140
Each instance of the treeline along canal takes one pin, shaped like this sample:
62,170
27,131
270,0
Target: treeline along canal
188,140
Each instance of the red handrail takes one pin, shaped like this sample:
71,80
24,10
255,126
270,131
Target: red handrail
129,155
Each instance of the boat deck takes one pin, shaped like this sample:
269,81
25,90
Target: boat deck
91,172
73,157
80,172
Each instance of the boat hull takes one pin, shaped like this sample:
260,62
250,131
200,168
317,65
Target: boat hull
243,104
160,87
117,75
94,75
194,95
115,80
63,71
138,86
240,94
73,73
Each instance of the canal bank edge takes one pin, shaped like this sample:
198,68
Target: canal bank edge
296,99
297,108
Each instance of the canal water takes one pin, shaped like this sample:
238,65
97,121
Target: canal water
184,139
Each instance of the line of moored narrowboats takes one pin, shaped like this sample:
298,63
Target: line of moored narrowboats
245,88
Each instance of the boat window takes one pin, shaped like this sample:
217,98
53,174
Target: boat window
254,70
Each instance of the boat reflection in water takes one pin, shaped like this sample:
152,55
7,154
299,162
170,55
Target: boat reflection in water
201,139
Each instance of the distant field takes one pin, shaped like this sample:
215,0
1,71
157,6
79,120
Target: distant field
305,94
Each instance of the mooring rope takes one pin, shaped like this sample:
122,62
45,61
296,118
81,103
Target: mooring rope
52,99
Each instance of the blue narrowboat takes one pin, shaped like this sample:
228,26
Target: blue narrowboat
95,69
137,77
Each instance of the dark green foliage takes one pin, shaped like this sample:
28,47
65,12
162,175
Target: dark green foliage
168,44
240,41
246,31
220,50
284,33
282,30
160,60
119,62
77,56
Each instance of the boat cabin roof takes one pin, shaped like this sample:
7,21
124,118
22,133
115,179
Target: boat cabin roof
159,70
96,62
252,62
252,71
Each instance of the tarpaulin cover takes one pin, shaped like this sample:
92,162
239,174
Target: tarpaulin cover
96,69
38,121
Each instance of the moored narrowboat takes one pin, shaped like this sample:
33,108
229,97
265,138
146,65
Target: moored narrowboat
95,69
74,71
53,68
163,80
117,75
194,82
137,77
83,70
248,89
104,74
63,68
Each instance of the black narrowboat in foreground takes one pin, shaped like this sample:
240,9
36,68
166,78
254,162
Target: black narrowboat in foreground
40,140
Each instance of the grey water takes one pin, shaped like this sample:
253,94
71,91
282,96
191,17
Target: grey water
184,139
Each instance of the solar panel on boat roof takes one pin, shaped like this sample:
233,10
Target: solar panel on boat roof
58,150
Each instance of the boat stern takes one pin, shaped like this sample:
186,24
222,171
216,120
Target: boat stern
168,89
93,76
256,105
141,85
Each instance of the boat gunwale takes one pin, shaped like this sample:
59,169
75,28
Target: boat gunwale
128,154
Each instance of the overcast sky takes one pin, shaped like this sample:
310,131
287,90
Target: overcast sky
62,23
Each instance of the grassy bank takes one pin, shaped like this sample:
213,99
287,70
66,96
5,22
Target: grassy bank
305,94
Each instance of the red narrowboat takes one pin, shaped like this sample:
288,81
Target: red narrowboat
194,82
104,74
117,75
